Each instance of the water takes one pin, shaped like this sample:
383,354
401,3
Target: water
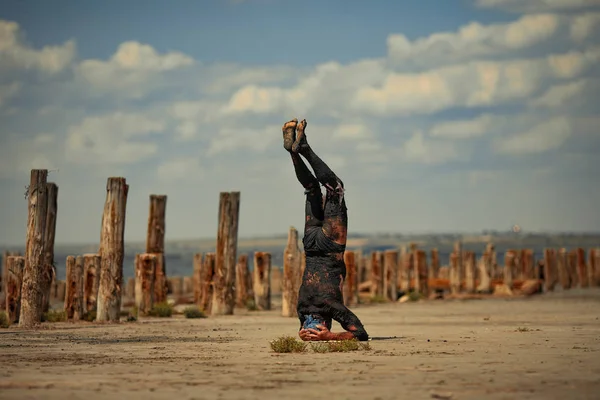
181,264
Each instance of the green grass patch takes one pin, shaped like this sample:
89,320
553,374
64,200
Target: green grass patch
251,305
161,310
193,312
288,344
54,316
342,346
90,316
4,322
378,299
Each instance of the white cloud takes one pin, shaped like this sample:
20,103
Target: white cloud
16,54
462,129
475,40
8,91
559,95
132,70
534,6
257,140
187,168
547,135
419,149
352,131
113,138
20,154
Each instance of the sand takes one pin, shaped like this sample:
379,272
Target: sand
544,347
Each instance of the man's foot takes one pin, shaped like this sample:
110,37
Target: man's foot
289,134
300,143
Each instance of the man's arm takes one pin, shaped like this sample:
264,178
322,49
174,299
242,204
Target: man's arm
324,334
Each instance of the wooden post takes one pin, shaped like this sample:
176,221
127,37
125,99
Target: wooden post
528,264
223,301
470,266
291,276
176,285
74,288
206,280
435,264
361,268
91,280
188,285
243,282
50,234
591,267
485,268
420,272
595,260
303,264
454,274
582,273
155,244
34,274
61,288
493,262
550,273
111,250
197,277
15,266
406,267
262,280
390,275
145,266
509,268
562,269
458,249
572,268
376,274
350,283
131,287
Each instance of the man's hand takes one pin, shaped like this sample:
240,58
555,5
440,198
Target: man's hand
321,333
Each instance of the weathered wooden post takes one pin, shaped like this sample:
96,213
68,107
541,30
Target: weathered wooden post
454,273
197,277
91,280
376,274
223,301
155,244
406,268
350,283
131,287
15,266
550,273
562,269
528,264
50,234
34,274
435,264
61,288
291,275
390,275
509,268
591,268
494,270
206,281
485,268
420,272
595,257
111,250
572,268
176,283
243,281
188,285
145,273
74,288
582,273
262,280
470,266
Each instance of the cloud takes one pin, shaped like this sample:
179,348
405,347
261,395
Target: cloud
180,168
113,138
15,54
419,149
257,140
8,91
535,6
132,70
462,129
545,136
19,154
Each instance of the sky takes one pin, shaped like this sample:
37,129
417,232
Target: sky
438,115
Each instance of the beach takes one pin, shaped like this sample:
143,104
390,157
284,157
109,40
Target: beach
542,347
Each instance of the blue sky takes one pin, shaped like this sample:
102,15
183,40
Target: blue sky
438,115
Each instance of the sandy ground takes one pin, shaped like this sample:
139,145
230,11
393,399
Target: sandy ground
463,349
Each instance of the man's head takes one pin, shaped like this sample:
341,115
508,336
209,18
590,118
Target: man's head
311,322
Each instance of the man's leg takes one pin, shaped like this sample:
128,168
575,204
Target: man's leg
335,222
313,206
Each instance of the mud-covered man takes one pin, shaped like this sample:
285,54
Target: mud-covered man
320,298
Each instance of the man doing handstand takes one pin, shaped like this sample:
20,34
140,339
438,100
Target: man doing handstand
320,296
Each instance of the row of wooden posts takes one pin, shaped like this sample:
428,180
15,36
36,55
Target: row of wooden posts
94,282
28,279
